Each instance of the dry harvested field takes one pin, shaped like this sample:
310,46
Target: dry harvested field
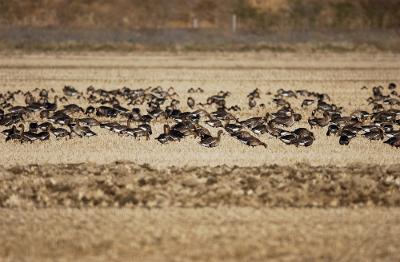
339,75
111,197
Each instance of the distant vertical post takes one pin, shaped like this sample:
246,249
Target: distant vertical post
234,23
195,23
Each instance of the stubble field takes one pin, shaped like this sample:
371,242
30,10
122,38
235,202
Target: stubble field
228,193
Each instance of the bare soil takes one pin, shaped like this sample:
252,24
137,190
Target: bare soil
129,185
198,234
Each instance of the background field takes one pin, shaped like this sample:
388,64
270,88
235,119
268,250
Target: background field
126,25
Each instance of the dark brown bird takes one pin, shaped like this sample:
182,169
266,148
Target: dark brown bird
211,141
190,102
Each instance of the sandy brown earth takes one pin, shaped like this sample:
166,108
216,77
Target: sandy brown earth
70,199
129,185
212,234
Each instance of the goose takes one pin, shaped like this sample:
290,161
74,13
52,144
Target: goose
286,93
51,106
139,132
146,118
392,133
393,141
252,103
234,108
88,122
247,139
241,135
392,86
34,107
254,121
112,126
14,136
183,129
280,102
106,111
17,110
305,141
286,121
260,129
348,133
33,127
70,91
232,128
343,120
255,93
253,141
324,121
174,134
61,119
59,132
344,140
324,106
27,136
222,114
10,131
81,131
211,141
303,92
72,109
289,139
190,102
156,112
375,134
90,110
274,131
119,108
214,122
303,132
377,108
44,93
11,119
164,137
202,131
360,115
118,128
188,116
332,129
307,102
44,135
44,114
146,127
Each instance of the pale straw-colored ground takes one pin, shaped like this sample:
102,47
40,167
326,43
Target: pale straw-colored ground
220,234
339,75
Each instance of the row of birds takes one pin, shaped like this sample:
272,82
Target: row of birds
63,119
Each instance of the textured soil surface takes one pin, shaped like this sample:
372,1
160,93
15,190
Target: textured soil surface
196,234
130,185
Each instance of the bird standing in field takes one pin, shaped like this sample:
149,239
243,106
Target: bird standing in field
190,102
211,141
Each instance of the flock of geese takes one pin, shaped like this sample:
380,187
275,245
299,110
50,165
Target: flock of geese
44,114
